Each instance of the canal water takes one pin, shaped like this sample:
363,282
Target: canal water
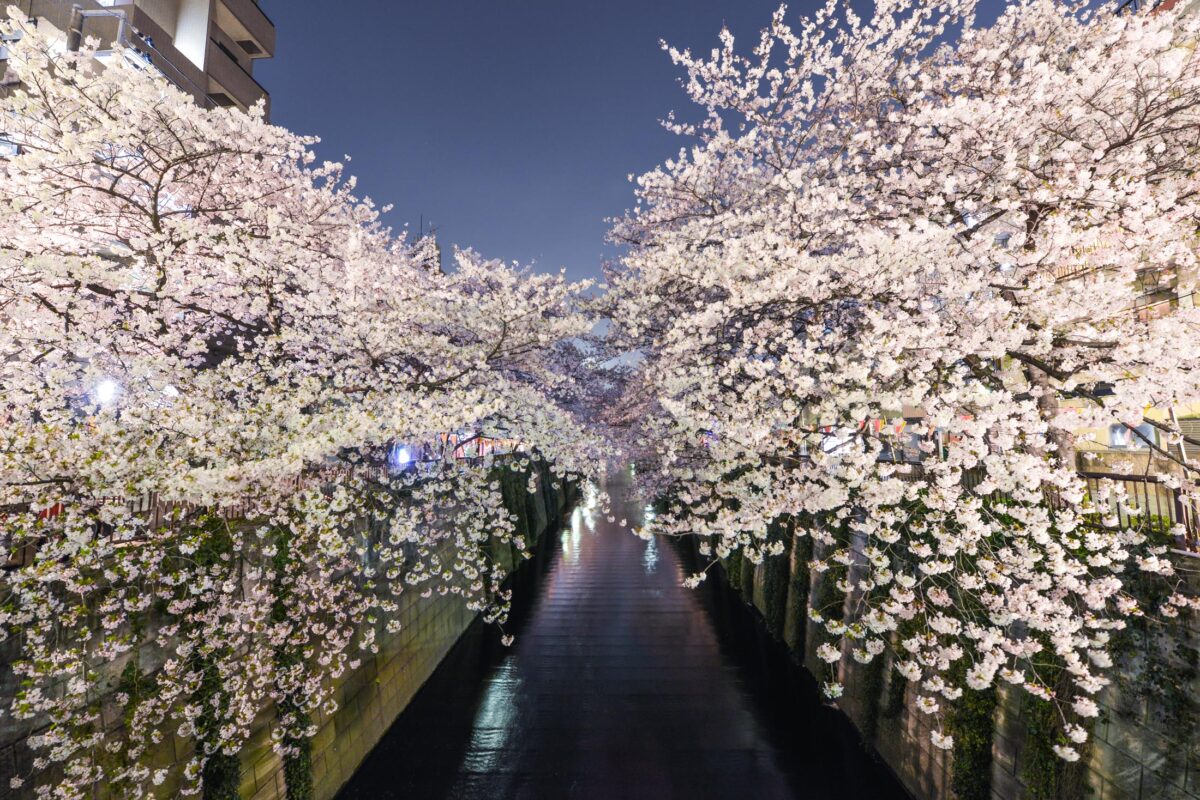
621,684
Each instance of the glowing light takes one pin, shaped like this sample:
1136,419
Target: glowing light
399,457
106,391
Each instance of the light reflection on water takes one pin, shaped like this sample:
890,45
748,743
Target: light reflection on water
496,713
650,557
571,536
621,684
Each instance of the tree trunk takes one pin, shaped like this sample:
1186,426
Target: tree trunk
1049,406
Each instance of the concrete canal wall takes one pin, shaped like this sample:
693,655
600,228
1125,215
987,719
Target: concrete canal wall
1145,745
368,698
371,697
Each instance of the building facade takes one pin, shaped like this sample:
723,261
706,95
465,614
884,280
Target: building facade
206,47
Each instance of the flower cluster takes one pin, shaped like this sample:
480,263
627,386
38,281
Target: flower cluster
208,346
916,216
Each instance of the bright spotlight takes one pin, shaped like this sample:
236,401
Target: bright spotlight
399,457
106,391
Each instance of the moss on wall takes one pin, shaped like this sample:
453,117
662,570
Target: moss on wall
746,584
733,569
972,723
799,588
1045,775
775,576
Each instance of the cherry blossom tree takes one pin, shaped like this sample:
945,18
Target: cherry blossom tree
916,215
197,311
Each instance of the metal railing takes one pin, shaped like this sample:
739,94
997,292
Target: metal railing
151,56
1149,503
1156,507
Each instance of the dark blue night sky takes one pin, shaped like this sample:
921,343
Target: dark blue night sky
510,124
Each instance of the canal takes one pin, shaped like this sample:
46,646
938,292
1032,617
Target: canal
621,684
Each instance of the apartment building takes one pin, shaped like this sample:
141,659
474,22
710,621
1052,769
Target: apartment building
1188,6
206,47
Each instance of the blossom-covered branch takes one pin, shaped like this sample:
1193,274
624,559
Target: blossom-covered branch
194,309
914,216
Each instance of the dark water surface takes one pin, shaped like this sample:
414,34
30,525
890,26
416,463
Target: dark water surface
621,684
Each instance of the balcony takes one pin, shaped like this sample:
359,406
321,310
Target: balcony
121,22
157,46
1150,6
229,82
246,24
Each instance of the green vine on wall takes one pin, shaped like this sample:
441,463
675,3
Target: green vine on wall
297,759
897,688
222,771
799,588
972,723
135,686
828,598
747,580
298,764
733,569
1158,665
870,687
775,577
515,496
1045,775
868,683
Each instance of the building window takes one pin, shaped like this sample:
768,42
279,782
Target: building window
1122,438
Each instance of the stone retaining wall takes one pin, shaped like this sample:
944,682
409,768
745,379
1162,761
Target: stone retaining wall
1146,745
369,698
